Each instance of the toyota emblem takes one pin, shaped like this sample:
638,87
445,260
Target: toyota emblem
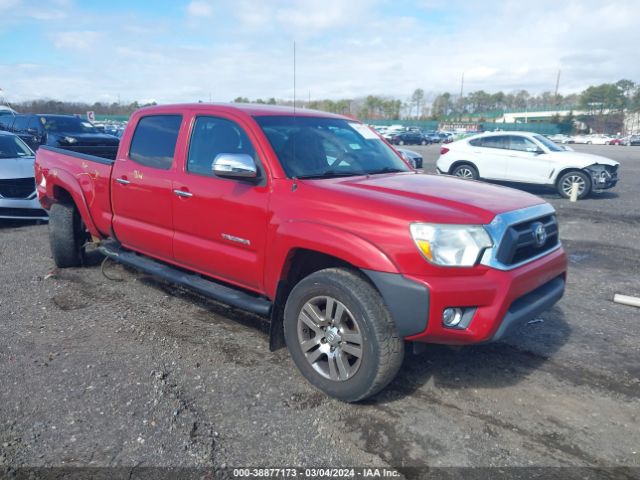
539,234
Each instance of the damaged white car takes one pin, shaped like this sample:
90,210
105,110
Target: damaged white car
523,157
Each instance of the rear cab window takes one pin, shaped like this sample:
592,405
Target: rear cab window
154,141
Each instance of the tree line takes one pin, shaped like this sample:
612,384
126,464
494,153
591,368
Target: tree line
604,103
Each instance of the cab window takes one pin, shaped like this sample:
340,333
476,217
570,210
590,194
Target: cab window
212,136
154,141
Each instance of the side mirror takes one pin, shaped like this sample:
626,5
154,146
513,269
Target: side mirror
234,165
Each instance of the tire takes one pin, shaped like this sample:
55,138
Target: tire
466,171
67,235
424,142
401,142
365,367
563,185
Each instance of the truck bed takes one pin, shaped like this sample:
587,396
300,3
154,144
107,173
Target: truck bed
86,178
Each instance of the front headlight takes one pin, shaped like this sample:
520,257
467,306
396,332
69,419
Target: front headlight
450,245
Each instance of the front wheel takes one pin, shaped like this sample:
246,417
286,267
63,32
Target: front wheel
341,336
566,181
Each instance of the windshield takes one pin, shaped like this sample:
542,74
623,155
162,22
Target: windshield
311,147
67,125
12,147
551,146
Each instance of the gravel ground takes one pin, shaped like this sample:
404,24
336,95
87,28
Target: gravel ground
133,372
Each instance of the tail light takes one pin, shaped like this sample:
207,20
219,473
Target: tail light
443,150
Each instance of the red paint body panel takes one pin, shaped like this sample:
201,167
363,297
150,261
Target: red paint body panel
361,220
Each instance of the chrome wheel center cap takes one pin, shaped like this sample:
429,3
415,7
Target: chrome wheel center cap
333,336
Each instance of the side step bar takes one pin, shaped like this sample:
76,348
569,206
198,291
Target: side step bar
208,288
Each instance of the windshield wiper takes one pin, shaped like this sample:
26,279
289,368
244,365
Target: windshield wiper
329,174
385,170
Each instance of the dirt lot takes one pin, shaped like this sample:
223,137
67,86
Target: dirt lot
96,372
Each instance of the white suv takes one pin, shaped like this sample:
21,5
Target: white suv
524,157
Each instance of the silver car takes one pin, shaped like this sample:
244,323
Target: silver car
18,198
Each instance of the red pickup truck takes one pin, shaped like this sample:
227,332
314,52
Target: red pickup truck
315,222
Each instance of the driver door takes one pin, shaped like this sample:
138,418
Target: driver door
220,224
528,163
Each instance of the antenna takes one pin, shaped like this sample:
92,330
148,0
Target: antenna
294,186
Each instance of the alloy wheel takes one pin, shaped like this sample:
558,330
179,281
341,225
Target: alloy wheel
330,338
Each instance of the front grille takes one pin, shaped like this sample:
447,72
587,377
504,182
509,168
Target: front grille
520,242
17,187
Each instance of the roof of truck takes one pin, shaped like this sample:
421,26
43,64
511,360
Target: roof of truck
253,109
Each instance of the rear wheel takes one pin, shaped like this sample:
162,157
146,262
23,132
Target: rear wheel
67,235
341,336
566,181
465,170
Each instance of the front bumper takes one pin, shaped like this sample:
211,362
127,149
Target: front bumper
22,209
502,300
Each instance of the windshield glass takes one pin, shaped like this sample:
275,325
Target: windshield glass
67,125
311,147
12,147
551,146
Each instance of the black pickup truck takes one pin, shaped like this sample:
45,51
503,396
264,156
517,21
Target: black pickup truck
62,131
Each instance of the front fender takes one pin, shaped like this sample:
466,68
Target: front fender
321,238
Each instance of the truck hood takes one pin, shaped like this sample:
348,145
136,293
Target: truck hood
431,197
580,160
21,167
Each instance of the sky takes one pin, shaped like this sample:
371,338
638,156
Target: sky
183,51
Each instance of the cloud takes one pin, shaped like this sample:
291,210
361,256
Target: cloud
80,41
344,49
199,8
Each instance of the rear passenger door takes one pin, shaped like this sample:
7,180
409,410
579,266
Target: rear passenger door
220,223
141,193
491,155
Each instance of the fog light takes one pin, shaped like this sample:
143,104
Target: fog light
451,316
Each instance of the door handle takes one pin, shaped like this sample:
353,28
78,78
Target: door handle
123,181
182,193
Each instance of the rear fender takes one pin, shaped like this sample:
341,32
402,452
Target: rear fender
64,180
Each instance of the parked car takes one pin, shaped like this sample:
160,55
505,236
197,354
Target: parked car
414,158
64,131
527,158
312,221
432,136
634,140
409,138
599,139
559,138
18,199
